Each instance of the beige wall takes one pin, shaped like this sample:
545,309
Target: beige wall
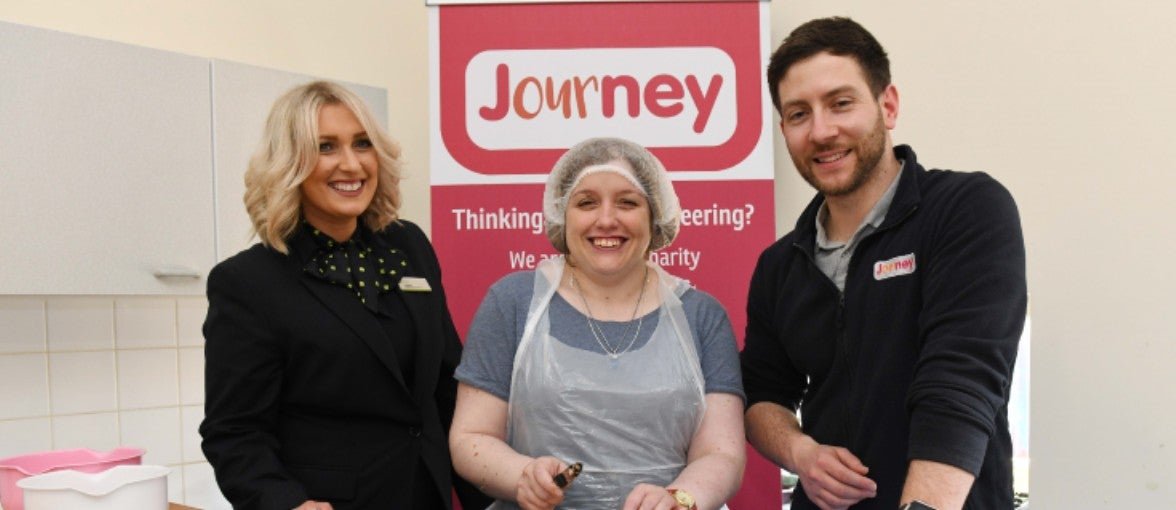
1070,106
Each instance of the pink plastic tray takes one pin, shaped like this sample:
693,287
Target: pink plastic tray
14,469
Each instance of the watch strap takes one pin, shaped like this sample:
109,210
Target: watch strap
684,499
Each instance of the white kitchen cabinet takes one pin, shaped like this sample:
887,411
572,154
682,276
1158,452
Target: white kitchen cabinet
121,167
105,167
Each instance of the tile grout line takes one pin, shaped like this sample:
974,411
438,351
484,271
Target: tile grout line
48,372
175,323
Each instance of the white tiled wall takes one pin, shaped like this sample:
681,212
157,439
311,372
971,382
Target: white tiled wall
103,371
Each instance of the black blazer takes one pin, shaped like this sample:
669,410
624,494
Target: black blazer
304,395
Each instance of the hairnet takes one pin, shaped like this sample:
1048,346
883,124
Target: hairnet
649,175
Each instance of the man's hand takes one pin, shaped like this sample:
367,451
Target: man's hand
314,505
832,477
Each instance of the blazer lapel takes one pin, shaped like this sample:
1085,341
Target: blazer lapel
344,304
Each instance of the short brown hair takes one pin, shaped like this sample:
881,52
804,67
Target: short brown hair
836,36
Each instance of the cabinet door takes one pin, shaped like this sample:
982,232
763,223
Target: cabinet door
105,167
242,98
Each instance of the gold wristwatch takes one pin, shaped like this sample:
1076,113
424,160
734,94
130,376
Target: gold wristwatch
683,498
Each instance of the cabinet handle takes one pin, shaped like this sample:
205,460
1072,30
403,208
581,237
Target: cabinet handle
176,272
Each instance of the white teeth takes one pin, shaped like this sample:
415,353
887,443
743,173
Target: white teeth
606,243
344,186
834,157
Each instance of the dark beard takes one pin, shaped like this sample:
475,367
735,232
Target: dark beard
869,153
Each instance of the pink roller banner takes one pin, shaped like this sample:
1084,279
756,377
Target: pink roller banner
512,86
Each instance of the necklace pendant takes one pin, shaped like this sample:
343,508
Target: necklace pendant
598,333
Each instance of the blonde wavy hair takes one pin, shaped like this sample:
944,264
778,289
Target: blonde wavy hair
289,151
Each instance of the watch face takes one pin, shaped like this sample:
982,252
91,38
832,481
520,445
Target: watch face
683,498
917,505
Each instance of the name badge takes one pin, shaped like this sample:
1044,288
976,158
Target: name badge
414,284
897,266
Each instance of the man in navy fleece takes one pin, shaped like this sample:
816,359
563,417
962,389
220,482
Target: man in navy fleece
882,331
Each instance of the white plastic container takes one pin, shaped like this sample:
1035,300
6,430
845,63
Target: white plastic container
15,469
118,488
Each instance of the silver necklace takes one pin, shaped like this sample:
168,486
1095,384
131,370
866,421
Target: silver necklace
598,333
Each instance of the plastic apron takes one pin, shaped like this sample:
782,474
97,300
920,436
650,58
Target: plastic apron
628,419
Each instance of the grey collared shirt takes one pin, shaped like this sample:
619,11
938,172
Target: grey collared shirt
833,258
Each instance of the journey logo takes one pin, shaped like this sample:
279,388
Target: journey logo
516,92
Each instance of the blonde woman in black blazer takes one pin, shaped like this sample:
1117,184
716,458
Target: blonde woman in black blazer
329,346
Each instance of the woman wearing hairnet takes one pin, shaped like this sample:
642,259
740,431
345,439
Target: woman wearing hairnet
600,357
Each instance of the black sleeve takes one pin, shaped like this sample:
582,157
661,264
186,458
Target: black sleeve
973,311
243,374
768,373
446,393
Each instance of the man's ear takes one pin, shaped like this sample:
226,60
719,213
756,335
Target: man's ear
888,101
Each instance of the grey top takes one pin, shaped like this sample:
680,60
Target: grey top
497,329
833,258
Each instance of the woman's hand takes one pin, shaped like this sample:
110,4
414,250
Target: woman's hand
536,490
650,497
315,505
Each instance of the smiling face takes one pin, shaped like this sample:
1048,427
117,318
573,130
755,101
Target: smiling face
608,225
343,181
835,128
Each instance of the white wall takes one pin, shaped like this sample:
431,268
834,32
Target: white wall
100,372
1068,103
